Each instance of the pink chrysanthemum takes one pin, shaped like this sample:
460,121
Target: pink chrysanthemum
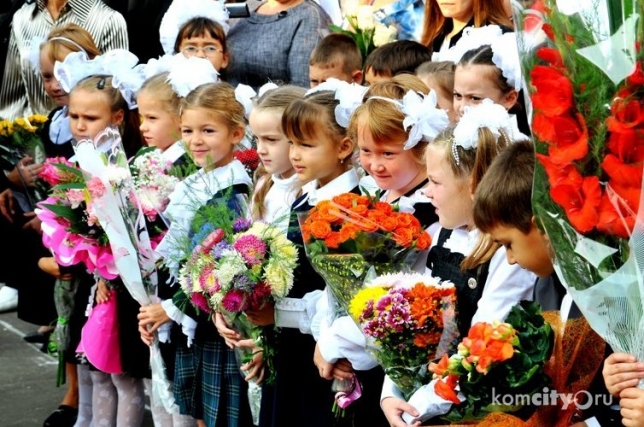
208,281
235,302
212,239
200,301
251,248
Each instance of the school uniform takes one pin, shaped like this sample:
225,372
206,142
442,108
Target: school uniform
207,381
299,396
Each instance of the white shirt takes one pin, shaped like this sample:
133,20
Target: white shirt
278,201
302,312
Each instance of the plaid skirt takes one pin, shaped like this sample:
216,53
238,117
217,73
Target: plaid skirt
209,386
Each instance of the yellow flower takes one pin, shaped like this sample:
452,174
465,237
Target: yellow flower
362,298
37,119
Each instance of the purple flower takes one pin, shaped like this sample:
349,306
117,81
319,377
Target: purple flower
251,248
241,224
243,283
219,248
234,302
200,301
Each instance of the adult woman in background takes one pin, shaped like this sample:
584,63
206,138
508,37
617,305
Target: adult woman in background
444,22
275,42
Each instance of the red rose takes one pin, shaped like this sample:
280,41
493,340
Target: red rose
580,203
554,92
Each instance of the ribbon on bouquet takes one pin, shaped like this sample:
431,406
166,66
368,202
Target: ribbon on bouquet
345,398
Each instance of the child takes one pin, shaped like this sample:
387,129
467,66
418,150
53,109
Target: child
337,56
207,383
196,28
505,212
275,180
439,76
320,153
401,56
95,104
57,137
159,101
486,285
488,66
396,164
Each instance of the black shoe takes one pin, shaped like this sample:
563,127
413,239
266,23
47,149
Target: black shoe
64,416
37,337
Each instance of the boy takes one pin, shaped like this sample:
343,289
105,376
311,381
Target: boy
388,60
335,56
505,212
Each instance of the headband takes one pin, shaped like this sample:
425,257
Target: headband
182,11
423,119
488,115
120,64
36,45
348,95
505,53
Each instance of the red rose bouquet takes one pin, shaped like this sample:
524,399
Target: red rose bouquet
585,84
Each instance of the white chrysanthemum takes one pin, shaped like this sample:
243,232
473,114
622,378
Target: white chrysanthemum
231,264
278,278
216,298
390,280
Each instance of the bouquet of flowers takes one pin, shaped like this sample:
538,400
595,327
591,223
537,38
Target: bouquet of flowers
353,238
70,227
367,32
153,182
499,359
21,138
234,272
585,86
408,319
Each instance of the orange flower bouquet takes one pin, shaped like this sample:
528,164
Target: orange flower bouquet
353,238
498,367
586,86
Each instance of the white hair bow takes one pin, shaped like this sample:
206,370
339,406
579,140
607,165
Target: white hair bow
505,53
182,11
118,63
245,94
423,117
265,88
348,95
488,115
186,74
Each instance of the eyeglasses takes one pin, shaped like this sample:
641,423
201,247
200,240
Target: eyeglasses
209,50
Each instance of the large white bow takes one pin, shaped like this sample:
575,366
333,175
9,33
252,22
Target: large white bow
118,63
349,96
423,117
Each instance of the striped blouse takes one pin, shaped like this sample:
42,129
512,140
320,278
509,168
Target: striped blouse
22,90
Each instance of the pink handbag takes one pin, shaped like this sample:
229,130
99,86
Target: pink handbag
100,338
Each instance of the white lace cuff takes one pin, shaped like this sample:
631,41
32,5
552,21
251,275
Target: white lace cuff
188,324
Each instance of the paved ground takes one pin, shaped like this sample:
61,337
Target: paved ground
28,392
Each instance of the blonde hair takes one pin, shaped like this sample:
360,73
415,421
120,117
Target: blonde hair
158,88
384,119
442,73
273,100
131,135
473,163
68,38
219,99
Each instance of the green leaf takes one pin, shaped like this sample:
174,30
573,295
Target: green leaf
62,211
